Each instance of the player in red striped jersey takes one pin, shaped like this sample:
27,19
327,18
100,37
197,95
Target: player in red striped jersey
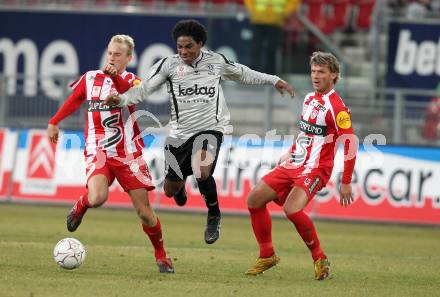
307,167
113,148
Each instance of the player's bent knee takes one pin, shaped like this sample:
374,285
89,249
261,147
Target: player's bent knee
169,192
146,214
254,199
147,218
297,200
204,175
170,189
288,209
97,200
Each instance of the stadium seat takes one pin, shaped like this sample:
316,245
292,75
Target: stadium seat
319,15
101,2
341,9
365,10
31,2
315,10
196,2
172,1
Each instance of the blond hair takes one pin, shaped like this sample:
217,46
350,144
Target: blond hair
328,59
125,39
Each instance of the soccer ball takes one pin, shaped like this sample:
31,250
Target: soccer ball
69,253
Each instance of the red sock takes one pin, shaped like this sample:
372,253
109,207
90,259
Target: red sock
155,235
307,231
82,204
262,226
84,201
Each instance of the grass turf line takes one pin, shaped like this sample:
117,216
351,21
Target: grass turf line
367,260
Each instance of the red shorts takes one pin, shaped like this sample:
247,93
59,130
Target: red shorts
131,173
282,180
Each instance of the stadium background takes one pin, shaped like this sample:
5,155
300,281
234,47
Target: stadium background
390,73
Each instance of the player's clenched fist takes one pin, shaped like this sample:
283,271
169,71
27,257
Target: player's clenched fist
110,69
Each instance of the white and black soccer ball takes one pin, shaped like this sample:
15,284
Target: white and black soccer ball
69,253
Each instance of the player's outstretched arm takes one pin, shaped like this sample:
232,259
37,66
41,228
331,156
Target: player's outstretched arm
71,105
112,100
53,132
137,93
241,73
282,86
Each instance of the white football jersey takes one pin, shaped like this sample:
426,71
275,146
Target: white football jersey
196,96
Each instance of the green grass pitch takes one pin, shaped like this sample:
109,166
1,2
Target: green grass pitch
367,259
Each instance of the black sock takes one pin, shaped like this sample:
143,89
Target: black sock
208,189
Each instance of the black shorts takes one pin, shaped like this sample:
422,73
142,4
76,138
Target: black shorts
178,154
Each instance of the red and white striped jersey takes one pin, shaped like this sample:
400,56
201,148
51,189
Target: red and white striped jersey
324,119
107,128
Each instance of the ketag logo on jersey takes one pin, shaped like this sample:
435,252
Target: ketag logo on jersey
343,120
314,114
196,90
96,91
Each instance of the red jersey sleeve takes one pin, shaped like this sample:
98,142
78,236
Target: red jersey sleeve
123,84
345,135
72,103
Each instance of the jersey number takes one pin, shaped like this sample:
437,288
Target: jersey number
112,124
302,143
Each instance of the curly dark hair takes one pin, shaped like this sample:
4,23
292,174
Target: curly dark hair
190,28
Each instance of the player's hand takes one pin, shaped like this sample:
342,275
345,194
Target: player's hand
112,100
53,132
283,86
110,69
346,195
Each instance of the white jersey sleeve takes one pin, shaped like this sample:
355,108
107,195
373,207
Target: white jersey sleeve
156,77
241,73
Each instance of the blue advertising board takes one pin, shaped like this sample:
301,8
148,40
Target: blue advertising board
50,44
413,55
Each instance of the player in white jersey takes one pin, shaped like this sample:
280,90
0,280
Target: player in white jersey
306,168
199,115
113,149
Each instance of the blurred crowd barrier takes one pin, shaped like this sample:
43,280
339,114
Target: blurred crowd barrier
389,82
397,114
396,184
